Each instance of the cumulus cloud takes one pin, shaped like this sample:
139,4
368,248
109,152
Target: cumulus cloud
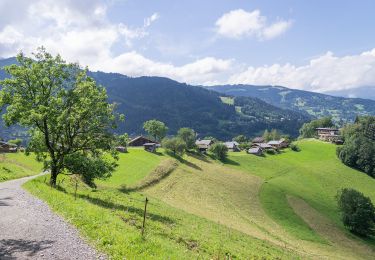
323,74
240,23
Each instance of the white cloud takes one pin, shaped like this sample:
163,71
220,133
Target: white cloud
240,23
200,71
149,20
323,74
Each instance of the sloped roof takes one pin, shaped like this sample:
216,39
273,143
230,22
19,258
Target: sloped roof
258,140
263,145
254,150
231,144
203,142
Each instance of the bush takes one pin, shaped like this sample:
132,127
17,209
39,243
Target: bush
219,150
295,148
271,151
175,145
358,212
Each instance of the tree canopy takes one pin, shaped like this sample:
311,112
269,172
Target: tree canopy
188,136
358,212
308,129
219,151
68,116
156,129
358,150
175,145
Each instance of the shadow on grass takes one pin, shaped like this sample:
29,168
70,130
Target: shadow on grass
10,247
229,161
161,172
183,161
199,156
131,209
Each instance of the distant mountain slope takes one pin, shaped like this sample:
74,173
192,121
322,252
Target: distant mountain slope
181,105
315,104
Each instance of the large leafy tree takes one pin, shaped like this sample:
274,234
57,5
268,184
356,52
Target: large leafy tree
66,112
188,136
358,150
358,212
156,129
175,145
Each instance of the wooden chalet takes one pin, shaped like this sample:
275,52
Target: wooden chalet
255,150
140,141
233,146
7,147
203,145
150,147
329,134
258,140
121,149
278,144
263,146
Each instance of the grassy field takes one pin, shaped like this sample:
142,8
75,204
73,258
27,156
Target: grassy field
277,206
111,217
17,165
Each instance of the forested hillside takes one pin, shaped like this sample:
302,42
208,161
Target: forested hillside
181,105
318,105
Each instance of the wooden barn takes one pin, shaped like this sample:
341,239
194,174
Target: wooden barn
140,141
7,147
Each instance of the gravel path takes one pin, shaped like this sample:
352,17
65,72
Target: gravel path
30,230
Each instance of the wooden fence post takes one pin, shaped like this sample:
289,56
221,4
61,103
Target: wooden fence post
144,216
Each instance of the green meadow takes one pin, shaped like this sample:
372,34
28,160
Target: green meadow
17,165
273,207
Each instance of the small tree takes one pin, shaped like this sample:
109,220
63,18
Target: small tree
266,135
175,145
122,140
358,212
274,135
241,139
69,117
16,141
219,150
156,129
188,136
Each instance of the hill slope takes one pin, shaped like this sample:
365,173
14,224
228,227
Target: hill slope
315,104
274,206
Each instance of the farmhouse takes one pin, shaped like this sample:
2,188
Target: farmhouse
263,146
7,147
203,145
140,141
255,150
150,147
121,149
232,146
278,144
258,140
329,134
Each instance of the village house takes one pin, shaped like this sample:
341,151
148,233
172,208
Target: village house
255,150
263,146
278,144
150,147
140,141
329,134
121,149
7,147
258,140
232,146
203,145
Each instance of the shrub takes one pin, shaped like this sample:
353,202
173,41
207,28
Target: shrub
271,151
175,145
219,150
295,148
358,212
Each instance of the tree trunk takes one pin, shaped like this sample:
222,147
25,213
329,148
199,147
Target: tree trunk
53,179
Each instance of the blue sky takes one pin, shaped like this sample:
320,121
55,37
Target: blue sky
314,45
